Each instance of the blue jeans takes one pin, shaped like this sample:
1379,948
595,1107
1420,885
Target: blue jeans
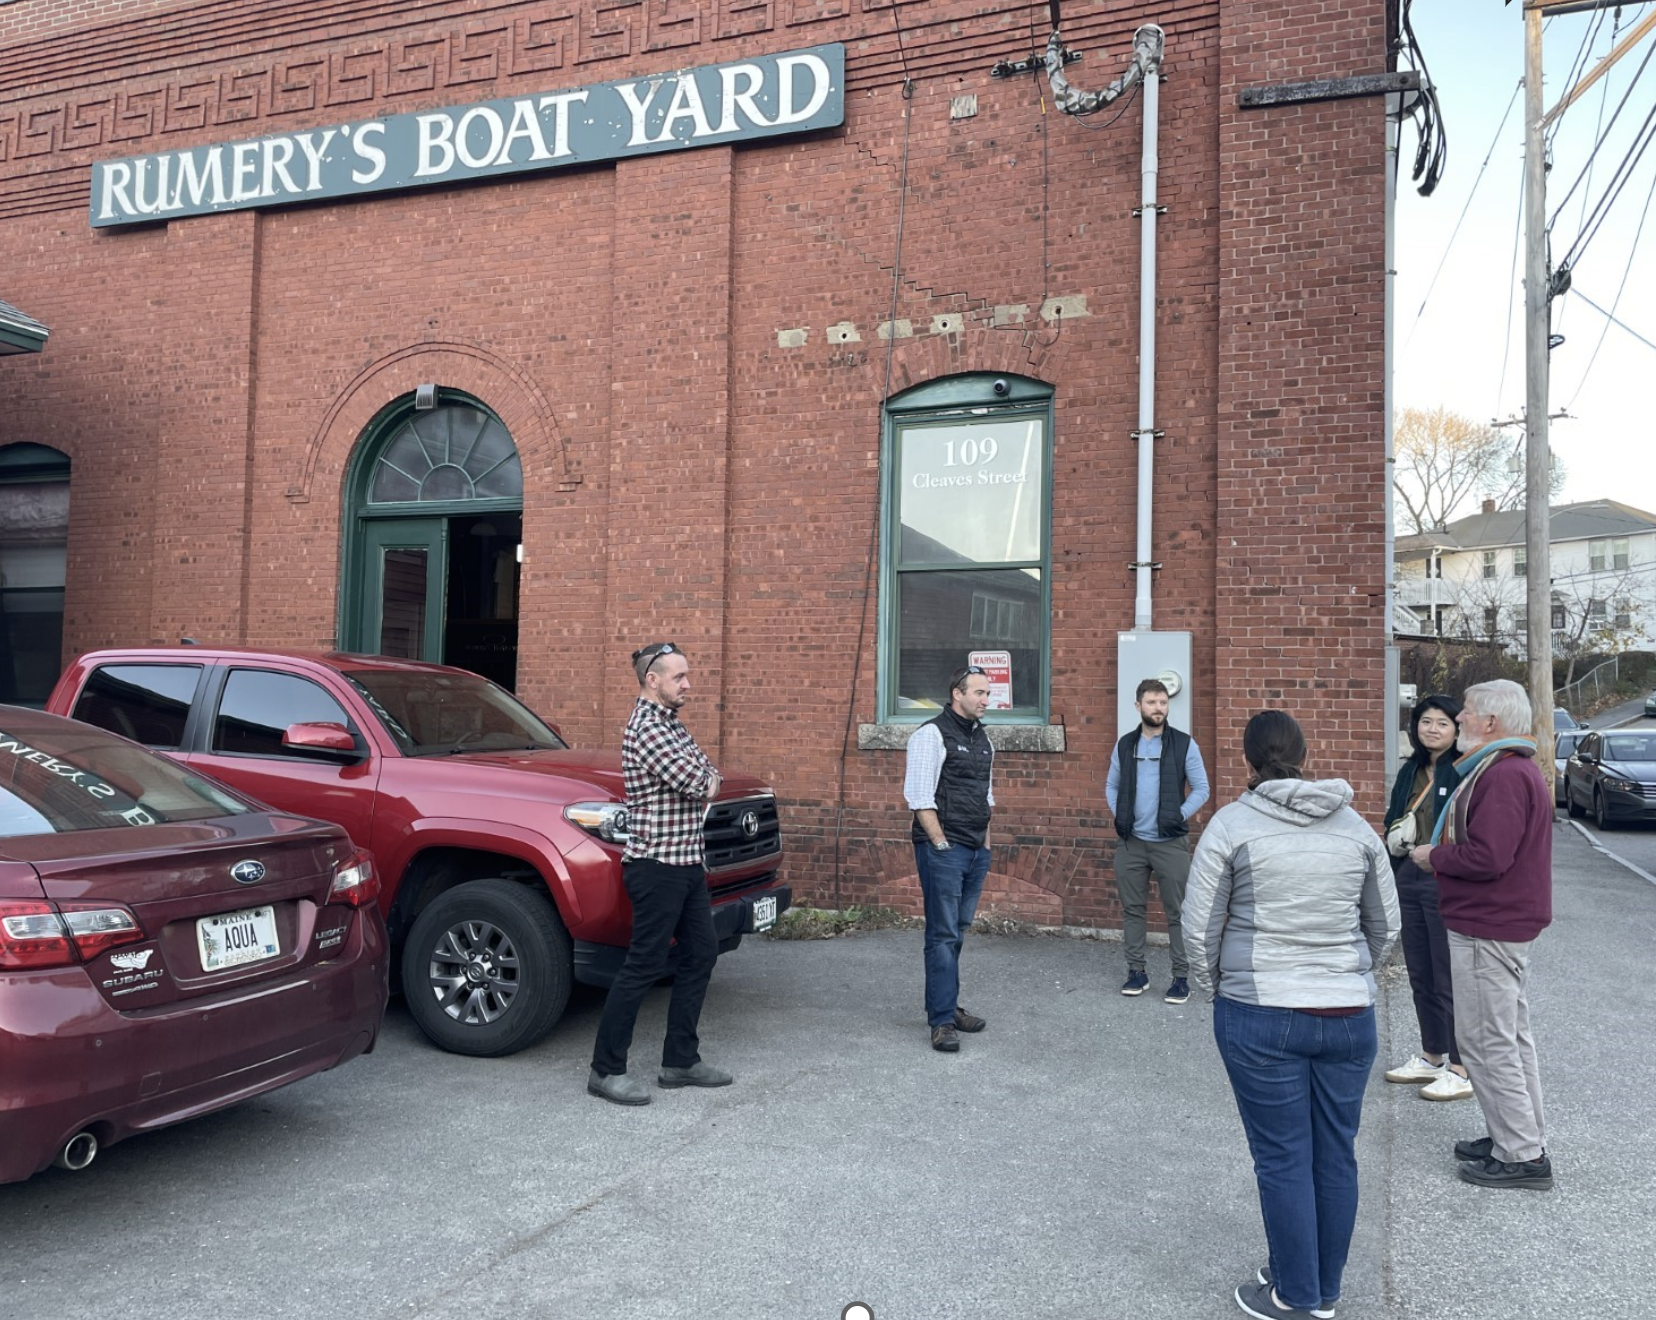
1299,1082
951,883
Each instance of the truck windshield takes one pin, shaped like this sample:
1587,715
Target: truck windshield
436,714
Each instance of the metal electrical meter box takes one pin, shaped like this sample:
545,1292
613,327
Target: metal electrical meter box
1163,655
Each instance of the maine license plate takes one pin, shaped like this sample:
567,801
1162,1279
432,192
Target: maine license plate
764,913
233,938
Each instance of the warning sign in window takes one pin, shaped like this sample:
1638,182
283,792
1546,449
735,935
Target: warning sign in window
997,666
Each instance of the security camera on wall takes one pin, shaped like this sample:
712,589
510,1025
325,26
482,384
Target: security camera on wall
1003,387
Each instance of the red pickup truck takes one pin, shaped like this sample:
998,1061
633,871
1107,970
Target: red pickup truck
498,846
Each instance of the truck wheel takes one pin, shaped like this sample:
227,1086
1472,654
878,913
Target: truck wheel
487,967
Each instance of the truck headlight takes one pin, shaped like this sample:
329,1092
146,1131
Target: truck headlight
603,820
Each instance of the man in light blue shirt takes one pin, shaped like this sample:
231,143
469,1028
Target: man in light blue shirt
1152,810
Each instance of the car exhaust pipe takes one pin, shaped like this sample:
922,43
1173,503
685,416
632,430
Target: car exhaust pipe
79,1151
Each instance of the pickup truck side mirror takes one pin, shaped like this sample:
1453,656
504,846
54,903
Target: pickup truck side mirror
326,736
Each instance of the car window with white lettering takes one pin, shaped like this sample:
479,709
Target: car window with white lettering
66,779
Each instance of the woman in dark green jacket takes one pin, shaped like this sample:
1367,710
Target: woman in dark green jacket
1424,783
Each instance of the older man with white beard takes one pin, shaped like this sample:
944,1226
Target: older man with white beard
1492,855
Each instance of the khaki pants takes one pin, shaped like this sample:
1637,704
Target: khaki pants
1493,1031
1135,859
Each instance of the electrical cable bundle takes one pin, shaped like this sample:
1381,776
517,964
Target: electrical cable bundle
1432,155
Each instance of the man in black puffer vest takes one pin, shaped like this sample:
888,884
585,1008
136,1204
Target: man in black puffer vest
1155,785
947,786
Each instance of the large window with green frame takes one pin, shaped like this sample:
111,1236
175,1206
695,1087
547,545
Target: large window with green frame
965,573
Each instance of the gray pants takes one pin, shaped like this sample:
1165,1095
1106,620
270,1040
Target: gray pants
1493,1031
1134,860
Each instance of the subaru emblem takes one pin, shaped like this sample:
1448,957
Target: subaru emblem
248,872
750,823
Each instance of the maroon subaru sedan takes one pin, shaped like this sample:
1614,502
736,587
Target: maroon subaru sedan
167,947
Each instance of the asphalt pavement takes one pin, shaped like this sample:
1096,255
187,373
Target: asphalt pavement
1080,1158
1628,712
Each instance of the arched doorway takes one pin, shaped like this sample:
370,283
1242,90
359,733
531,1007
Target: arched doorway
434,537
34,543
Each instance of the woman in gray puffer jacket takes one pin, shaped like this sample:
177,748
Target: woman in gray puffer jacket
1289,909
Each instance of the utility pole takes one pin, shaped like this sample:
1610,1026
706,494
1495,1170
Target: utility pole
1537,349
1537,467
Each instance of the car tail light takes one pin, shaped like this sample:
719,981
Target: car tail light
36,934
355,882
33,935
97,928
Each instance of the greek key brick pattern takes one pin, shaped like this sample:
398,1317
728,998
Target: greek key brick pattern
119,88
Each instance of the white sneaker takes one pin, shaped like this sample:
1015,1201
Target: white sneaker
1417,1070
1450,1085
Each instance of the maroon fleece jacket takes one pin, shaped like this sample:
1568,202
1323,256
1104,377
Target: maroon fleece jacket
1496,883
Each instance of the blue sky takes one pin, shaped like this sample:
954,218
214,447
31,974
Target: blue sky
1453,353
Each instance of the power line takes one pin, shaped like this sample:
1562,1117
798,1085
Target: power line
1512,282
1587,167
1449,246
1610,316
1624,171
1577,65
1598,134
1623,324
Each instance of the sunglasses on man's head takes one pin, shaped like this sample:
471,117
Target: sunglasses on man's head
655,652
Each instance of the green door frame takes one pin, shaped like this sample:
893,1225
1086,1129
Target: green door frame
429,535
368,530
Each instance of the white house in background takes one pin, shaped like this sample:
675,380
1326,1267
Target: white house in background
1470,579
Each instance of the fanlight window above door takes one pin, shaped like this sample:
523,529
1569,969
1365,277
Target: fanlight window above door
452,452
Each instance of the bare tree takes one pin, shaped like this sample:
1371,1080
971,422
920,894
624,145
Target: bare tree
1600,614
1444,461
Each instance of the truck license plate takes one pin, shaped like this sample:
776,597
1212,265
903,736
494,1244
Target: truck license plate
233,938
764,913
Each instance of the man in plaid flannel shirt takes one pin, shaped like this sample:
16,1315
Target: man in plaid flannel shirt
669,785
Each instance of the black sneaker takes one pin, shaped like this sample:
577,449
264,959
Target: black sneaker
1135,984
965,1021
1259,1299
945,1039
1536,1174
1323,1312
1178,992
1481,1149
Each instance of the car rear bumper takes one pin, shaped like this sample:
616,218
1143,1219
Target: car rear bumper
71,1063
597,964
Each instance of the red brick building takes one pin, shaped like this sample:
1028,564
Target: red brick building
690,354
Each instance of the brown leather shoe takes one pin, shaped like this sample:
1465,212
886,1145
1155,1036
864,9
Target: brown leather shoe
965,1021
945,1039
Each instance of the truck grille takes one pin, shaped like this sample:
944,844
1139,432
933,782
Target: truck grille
741,831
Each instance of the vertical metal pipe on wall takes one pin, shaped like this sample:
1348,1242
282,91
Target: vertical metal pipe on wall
1147,347
1393,666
